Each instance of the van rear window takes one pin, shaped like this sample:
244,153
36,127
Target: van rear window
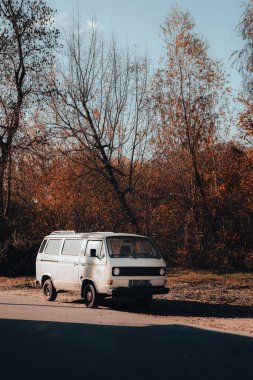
72,247
42,246
53,246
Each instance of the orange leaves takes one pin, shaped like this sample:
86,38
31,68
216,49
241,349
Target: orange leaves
96,113
245,120
182,42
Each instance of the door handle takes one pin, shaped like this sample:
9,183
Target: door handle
75,264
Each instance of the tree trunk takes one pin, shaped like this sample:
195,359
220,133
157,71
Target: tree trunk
205,208
123,202
3,165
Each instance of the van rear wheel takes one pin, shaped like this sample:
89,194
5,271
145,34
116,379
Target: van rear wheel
90,296
49,291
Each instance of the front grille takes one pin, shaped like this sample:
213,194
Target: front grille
137,271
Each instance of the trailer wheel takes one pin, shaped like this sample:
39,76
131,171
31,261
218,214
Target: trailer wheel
49,291
90,296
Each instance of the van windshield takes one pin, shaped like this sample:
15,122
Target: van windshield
130,246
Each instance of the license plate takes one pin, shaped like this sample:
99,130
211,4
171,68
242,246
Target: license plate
139,283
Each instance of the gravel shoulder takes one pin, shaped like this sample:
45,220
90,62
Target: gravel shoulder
197,298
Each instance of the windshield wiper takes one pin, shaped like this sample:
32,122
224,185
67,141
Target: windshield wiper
134,255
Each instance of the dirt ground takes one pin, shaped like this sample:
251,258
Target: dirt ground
198,298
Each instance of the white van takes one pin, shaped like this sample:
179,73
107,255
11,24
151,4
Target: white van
99,265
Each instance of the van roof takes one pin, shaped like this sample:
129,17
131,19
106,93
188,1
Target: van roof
98,234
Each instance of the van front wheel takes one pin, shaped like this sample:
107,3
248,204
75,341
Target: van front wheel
90,296
49,291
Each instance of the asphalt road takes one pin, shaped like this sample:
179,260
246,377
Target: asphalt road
118,349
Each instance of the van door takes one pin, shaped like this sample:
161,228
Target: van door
68,264
49,259
95,262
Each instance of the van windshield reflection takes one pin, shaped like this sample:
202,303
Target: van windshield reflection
134,247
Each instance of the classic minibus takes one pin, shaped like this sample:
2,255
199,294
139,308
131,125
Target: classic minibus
100,265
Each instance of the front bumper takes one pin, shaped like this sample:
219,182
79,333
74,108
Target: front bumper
139,292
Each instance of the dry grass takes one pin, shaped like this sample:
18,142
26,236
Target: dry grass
187,275
8,283
211,288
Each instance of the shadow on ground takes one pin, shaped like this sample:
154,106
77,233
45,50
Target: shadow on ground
162,307
47,350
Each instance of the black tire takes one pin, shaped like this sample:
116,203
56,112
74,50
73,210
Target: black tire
49,291
144,301
90,296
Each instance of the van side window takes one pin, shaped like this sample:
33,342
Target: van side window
94,244
42,246
72,247
53,246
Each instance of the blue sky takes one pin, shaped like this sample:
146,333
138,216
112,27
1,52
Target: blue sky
137,23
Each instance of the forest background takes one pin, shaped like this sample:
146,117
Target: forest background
91,139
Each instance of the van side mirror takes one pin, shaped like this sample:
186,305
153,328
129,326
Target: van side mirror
93,253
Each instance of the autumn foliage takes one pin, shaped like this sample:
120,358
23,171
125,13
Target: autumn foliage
112,148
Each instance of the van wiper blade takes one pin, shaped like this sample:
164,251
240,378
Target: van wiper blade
134,255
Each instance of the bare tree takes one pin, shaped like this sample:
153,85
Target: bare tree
244,57
101,110
244,60
188,90
27,40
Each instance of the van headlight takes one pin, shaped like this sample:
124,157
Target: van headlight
162,271
116,271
